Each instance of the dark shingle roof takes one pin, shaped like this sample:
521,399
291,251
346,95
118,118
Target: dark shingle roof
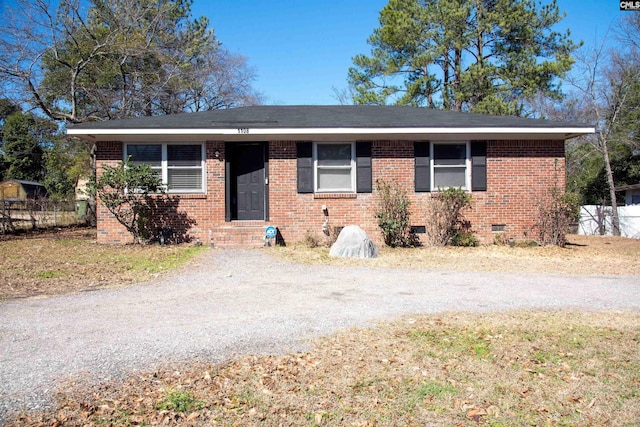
628,187
25,182
330,116
31,188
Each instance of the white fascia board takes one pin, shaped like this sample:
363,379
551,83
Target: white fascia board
338,131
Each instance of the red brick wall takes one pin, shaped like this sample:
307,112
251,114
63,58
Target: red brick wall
109,230
189,216
519,173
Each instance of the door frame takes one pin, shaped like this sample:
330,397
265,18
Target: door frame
230,149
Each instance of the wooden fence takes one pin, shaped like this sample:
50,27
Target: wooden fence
40,213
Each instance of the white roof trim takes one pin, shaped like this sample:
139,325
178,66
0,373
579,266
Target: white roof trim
336,131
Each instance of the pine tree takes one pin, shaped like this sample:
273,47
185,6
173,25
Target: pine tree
21,144
486,56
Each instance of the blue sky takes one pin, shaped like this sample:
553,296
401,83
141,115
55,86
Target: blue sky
302,49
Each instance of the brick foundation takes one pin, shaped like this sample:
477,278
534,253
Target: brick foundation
519,174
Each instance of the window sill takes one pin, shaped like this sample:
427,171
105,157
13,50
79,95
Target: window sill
335,195
440,190
187,195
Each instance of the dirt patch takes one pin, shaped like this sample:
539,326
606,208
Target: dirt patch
590,255
69,260
515,368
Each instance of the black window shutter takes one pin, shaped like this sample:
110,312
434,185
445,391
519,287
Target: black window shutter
305,167
363,167
479,166
422,167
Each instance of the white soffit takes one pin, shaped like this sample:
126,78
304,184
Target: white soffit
321,133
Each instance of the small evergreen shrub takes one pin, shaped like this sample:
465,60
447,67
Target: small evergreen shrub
465,238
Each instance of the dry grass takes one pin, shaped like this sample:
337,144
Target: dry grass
583,255
54,263
454,369
499,369
67,261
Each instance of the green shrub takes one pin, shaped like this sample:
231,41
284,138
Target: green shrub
465,238
126,191
393,215
526,244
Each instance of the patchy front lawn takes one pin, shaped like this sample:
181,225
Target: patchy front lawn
590,255
453,369
67,261
54,263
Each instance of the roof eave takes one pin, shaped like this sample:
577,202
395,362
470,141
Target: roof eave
413,133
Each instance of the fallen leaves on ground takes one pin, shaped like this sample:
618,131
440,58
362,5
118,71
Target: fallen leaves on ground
583,255
70,260
541,368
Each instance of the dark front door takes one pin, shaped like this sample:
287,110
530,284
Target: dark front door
248,181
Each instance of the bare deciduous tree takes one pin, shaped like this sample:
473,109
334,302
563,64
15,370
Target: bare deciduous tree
86,60
117,59
603,84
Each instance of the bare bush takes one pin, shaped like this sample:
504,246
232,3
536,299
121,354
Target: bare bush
556,212
311,239
446,224
393,215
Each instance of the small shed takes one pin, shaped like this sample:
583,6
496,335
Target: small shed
18,190
632,194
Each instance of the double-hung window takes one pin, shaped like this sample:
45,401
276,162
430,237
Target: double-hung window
181,166
334,167
450,165
150,154
184,167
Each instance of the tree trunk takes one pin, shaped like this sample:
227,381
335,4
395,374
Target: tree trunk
458,79
612,190
446,90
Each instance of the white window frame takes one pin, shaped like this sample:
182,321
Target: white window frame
352,167
165,165
467,164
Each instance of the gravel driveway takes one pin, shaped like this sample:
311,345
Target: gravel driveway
232,302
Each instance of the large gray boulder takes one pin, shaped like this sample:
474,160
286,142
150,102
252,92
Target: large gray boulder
353,242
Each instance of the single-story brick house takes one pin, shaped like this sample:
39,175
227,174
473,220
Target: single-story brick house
230,173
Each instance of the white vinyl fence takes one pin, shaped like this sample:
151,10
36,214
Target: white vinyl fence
595,219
